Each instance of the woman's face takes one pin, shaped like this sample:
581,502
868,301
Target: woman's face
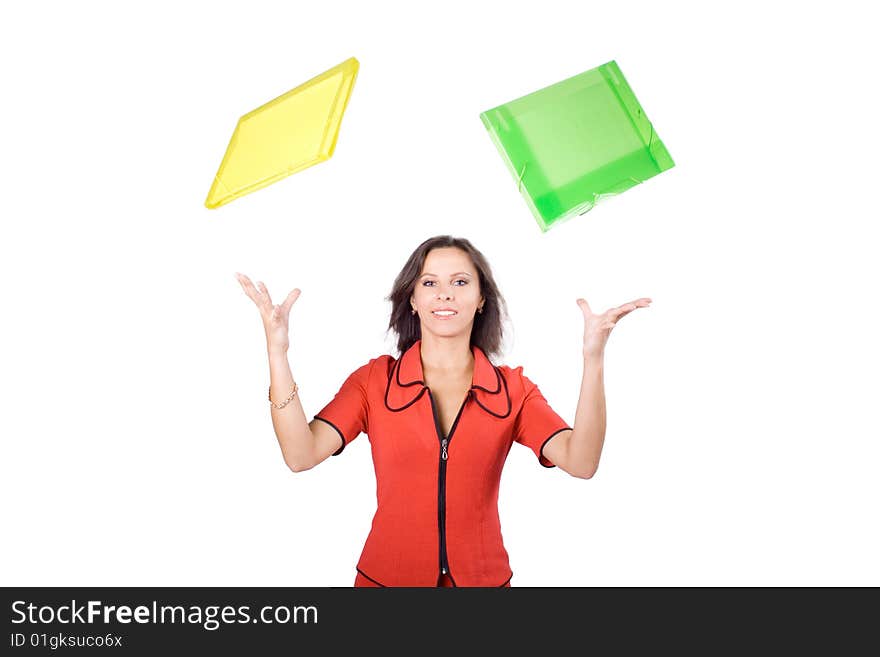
447,293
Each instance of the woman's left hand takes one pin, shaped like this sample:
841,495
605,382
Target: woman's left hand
597,328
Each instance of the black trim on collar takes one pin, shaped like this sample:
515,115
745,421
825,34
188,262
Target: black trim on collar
403,385
400,362
400,386
498,379
501,380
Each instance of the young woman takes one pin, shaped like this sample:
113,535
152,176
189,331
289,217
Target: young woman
441,418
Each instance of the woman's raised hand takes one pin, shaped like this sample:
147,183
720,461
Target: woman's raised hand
597,328
275,317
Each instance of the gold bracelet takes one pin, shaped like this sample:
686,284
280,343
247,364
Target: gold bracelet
286,401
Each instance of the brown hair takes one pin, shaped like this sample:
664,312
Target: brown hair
487,332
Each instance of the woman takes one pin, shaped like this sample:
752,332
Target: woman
441,418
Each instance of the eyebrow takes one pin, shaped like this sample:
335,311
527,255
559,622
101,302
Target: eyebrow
459,273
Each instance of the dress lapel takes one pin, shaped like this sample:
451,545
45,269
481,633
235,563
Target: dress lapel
406,383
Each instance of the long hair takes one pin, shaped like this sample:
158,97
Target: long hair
487,332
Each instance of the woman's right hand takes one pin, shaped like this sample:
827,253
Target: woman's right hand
275,317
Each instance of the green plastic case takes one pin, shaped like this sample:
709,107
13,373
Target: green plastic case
578,141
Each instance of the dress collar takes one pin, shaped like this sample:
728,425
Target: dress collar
406,383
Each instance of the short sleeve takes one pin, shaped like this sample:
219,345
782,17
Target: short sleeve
537,423
348,411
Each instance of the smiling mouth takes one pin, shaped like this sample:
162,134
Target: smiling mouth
444,314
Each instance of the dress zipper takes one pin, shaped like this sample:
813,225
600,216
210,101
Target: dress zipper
444,457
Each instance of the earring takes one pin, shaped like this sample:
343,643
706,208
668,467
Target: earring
413,311
480,310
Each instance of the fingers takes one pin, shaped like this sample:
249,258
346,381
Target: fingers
585,307
264,290
259,294
249,288
290,300
614,314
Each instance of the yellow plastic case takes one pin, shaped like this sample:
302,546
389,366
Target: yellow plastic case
286,135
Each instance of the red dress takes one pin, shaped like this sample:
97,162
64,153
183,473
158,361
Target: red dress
437,496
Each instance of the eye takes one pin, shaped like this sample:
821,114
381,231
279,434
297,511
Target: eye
427,283
463,281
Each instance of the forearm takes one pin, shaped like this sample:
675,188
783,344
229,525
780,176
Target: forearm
588,432
290,424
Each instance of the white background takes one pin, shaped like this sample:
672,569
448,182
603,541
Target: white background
742,443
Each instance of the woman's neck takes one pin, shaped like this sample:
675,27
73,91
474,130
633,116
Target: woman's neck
446,355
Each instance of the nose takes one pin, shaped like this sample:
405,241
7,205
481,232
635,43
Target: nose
444,296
